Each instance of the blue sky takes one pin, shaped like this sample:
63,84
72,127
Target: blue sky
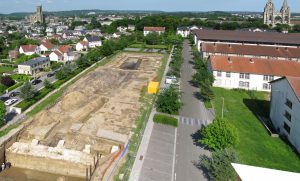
8,6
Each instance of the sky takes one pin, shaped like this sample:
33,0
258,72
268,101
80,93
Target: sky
9,6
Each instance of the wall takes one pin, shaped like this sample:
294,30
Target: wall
281,90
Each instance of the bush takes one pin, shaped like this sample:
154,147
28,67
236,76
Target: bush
20,77
219,166
27,91
48,85
163,119
169,101
63,73
2,89
219,135
15,86
7,81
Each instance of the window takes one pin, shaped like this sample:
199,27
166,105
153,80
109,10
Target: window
289,103
287,128
244,84
288,116
266,86
247,76
241,84
271,78
242,75
228,74
266,78
219,74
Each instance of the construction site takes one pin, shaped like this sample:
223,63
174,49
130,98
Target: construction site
91,121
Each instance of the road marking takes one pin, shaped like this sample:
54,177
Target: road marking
173,166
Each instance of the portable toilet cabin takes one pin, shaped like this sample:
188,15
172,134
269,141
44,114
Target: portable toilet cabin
153,87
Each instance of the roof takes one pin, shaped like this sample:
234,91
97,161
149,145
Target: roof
93,38
248,37
250,173
255,66
256,50
48,45
35,61
64,48
28,48
148,28
58,53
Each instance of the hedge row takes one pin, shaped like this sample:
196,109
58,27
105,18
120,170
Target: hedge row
163,119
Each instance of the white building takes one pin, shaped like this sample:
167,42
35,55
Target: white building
34,66
158,30
82,46
93,41
186,30
46,47
249,73
285,108
29,49
56,56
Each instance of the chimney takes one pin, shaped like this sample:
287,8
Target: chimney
214,44
229,45
277,48
251,60
229,60
286,48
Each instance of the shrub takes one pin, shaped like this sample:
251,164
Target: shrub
15,86
27,91
163,119
169,101
219,166
48,85
7,81
21,77
219,135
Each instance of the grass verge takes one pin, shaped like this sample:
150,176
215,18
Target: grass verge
256,147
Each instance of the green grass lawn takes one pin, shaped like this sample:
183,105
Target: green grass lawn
256,147
5,69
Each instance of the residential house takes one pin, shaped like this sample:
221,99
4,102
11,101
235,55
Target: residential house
82,46
62,54
46,47
93,41
56,56
122,28
185,31
131,27
285,108
33,66
117,35
29,49
69,35
158,30
249,73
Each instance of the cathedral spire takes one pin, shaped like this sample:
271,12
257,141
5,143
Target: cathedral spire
285,4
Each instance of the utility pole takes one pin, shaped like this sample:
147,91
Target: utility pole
222,107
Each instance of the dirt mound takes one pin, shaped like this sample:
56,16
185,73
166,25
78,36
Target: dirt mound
73,101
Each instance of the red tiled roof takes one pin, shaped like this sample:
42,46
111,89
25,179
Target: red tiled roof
255,66
64,48
58,53
248,37
255,50
147,28
28,48
48,45
295,84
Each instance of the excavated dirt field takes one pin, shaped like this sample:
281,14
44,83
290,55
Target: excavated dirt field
100,109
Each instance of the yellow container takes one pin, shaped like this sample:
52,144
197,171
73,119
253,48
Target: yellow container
153,87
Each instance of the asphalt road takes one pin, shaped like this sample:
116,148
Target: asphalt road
187,152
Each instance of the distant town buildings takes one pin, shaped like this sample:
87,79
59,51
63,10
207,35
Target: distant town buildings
273,17
38,16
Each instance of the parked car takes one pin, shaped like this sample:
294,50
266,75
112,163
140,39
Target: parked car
50,74
14,94
10,102
36,81
4,98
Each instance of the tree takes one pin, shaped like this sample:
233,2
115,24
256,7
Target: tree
83,62
152,39
7,81
27,91
64,72
2,113
219,135
169,101
48,84
219,166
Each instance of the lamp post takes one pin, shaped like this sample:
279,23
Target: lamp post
222,107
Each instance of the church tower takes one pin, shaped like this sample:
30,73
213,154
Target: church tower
285,13
269,13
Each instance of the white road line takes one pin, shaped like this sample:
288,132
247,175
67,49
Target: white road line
173,167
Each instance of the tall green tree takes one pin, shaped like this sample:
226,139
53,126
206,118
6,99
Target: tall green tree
169,101
27,91
219,165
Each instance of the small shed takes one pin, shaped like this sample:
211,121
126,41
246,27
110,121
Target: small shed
153,87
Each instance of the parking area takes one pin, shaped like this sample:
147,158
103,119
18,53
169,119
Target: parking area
158,161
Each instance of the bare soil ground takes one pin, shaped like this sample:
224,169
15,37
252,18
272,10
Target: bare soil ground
106,99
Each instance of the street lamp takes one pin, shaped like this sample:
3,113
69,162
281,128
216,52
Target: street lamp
222,107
